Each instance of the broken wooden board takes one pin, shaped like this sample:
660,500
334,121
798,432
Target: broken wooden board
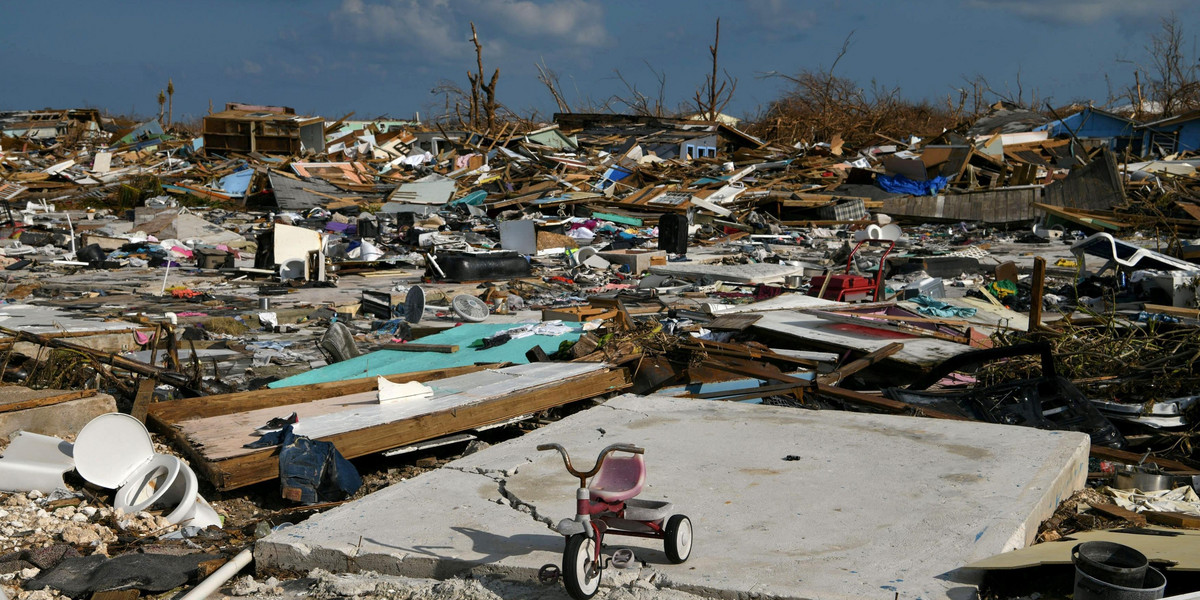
357,426
732,322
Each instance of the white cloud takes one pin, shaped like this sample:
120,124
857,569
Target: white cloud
428,25
573,21
1081,11
250,67
440,29
782,16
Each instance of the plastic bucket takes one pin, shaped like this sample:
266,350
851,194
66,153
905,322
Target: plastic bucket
1090,588
1110,562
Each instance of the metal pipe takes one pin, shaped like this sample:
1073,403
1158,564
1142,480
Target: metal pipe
220,576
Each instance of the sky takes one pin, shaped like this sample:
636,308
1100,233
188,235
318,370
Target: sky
385,57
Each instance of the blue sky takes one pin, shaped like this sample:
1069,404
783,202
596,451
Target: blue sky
380,57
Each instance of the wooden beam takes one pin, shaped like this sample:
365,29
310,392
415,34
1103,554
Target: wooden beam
263,466
743,351
46,401
1173,467
1038,286
1173,519
832,378
1117,512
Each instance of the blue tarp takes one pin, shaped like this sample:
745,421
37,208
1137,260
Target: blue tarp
899,184
237,183
936,308
391,362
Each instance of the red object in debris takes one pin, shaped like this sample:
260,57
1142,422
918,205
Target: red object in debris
185,293
846,287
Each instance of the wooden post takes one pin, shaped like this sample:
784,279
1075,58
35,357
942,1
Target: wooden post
1038,286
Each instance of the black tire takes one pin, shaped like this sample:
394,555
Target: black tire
678,543
581,575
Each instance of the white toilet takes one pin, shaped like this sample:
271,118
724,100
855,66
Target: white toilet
115,451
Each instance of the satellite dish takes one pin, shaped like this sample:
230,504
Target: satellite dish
470,308
414,304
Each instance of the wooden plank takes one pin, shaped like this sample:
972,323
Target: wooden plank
1173,467
1117,512
1173,519
141,402
873,358
264,465
1174,311
46,401
1038,285
734,322
742,351
210,406
412,347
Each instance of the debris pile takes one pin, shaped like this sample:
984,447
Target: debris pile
238,289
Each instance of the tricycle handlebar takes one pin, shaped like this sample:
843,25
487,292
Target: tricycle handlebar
584,475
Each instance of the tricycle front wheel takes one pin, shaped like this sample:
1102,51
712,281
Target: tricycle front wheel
581,572
678,543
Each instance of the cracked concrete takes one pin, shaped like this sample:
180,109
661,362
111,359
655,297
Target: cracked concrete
877,504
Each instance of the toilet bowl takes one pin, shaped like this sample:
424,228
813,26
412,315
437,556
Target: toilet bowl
115,451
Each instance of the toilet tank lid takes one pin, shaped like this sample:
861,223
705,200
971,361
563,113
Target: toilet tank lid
110,448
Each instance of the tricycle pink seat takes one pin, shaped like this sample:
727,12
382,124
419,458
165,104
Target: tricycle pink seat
619,479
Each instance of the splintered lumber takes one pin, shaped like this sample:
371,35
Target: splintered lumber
357,426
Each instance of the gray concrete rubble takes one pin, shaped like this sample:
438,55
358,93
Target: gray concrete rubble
786,503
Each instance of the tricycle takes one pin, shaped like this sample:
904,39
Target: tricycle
609,506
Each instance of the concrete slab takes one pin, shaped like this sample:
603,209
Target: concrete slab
62,420
873,504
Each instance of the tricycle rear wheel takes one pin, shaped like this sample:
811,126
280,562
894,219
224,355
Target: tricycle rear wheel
581,572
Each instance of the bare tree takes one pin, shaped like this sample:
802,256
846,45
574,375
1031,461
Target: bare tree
483,95
640,102
1174,77
712,98
162,99
550,80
